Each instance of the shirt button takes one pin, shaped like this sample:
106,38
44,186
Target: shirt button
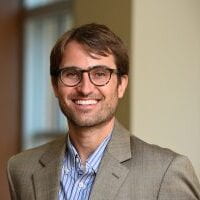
83,168
81,185
66,171
80,172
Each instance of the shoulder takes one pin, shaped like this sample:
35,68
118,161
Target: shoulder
30,157
149,155
171,173
138,146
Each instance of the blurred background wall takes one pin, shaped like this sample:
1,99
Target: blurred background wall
164,45
166,70
9,86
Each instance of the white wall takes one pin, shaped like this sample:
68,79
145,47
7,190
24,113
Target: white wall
166,85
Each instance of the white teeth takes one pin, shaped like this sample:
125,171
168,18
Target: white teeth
86,102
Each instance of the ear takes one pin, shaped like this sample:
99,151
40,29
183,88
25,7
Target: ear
122,85
54,86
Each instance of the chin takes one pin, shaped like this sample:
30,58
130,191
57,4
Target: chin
85,123
89,122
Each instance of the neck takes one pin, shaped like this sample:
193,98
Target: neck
87,139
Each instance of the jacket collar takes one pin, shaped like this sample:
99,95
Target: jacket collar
47,179
119,146
112,172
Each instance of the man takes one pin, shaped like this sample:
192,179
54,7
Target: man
98,159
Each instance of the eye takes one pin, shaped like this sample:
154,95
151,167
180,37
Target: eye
99,73
70,74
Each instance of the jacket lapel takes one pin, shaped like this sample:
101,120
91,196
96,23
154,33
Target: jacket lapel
46,180
112,172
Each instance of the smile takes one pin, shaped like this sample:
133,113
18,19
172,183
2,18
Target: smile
86,102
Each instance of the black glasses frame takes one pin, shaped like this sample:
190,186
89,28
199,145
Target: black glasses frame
59,72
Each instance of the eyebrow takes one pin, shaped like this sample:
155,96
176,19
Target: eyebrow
89,67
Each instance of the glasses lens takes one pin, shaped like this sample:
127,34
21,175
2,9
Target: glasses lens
100,75
70,77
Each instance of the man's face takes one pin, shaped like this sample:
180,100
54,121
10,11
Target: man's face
87,105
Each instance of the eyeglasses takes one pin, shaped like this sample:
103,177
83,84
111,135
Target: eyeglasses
72,76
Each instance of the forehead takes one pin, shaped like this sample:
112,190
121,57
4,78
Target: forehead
76,54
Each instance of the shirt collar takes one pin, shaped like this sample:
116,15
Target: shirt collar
92,163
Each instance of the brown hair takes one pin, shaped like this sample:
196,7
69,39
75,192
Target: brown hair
98,39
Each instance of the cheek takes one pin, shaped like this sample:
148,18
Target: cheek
62,93
112,93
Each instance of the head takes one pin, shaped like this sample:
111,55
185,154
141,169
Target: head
96,38
85,48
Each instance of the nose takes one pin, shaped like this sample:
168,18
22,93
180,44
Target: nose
85,86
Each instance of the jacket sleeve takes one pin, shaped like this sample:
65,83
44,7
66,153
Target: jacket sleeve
10,181
179,181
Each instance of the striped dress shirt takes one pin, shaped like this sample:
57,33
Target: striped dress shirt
77,179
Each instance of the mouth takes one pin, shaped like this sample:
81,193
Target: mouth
85,102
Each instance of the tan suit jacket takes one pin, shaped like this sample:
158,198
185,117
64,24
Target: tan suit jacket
130,170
